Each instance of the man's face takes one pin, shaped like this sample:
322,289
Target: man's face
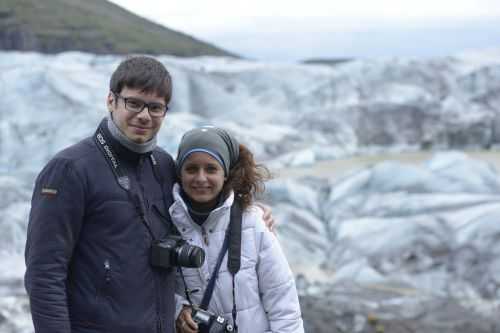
139,127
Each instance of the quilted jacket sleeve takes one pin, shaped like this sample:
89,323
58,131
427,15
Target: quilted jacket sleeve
277,285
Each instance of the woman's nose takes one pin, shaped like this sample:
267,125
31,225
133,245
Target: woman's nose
201,176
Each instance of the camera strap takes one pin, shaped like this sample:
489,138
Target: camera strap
122,178
234,255
232,242
211,283
160,178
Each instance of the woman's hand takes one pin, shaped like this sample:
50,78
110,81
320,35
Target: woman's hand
184,322
268,216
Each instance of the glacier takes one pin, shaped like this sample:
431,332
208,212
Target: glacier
390,240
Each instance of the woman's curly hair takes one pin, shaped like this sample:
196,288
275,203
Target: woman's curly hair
246,178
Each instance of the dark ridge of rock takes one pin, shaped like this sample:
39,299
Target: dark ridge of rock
93,26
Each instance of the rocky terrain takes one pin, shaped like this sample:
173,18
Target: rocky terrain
385,246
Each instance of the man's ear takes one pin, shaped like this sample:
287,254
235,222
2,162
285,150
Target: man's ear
110,102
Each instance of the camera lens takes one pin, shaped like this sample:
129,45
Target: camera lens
190,256
202,317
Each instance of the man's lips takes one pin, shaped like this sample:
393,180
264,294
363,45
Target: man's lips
139,129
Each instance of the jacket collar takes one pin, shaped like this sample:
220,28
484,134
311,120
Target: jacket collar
122,152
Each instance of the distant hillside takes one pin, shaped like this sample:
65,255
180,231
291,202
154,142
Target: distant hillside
326,61
96,26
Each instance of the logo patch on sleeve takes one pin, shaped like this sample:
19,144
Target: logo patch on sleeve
49,191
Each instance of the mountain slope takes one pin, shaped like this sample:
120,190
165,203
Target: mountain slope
95,26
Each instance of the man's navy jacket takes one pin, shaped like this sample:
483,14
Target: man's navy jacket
87,251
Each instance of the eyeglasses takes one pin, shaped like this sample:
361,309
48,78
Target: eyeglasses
136,105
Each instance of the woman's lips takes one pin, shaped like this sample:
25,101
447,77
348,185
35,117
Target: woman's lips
201,189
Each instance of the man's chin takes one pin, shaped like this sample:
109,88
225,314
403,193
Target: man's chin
139,138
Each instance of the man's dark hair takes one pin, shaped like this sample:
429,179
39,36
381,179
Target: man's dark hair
144,73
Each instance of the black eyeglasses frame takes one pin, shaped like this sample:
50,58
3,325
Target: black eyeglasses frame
126,102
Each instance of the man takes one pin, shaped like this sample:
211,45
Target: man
97,206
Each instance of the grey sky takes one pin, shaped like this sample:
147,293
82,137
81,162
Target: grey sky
281,30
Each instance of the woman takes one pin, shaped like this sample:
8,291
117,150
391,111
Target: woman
216,172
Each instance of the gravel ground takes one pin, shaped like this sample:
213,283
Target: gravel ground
363,310
336,169
340,309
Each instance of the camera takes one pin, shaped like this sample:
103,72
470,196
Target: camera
175,251
210,323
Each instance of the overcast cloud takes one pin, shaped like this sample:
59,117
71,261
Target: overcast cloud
281,30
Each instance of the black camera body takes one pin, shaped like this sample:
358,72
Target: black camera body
174,251
209,322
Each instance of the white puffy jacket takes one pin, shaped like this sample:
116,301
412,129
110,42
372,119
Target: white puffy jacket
266,297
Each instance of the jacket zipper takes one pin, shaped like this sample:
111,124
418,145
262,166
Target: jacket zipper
140,165
157,279
205,235
159,326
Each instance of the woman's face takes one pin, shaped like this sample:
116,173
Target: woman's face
202,178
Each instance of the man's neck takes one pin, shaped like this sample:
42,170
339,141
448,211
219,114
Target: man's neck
139,148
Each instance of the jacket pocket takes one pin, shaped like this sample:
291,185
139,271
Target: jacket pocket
106,280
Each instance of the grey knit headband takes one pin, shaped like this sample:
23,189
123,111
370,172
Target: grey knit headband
215,141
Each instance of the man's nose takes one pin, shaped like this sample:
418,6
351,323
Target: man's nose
144,114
